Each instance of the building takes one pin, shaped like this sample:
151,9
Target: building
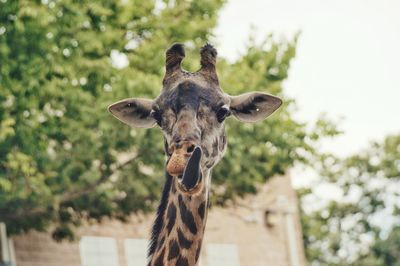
262,229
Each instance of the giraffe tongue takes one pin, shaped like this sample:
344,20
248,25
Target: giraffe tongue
192,174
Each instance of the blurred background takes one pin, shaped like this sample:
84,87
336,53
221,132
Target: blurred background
317,183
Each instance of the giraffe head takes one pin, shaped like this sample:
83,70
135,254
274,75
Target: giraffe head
191,111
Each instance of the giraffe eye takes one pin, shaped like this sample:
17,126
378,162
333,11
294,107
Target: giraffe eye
156,114
223,113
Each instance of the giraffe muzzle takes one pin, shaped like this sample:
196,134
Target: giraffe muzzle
186,167
181,153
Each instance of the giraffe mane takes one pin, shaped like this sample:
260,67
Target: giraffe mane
158,222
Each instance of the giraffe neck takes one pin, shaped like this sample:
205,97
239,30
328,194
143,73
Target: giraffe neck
179,228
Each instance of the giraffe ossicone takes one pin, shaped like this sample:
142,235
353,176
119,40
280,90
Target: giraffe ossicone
190,110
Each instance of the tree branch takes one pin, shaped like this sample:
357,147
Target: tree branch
68,196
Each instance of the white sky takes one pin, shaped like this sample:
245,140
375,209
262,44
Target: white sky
347,63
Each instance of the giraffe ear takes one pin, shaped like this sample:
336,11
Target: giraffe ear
134,112
254,106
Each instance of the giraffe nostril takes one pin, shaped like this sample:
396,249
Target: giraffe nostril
190,149
177,139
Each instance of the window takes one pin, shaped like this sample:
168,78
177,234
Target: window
136,251
98,251
222,255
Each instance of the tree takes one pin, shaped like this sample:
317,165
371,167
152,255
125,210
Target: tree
384,252
359,227
64,159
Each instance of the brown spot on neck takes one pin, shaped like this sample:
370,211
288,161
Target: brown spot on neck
179,241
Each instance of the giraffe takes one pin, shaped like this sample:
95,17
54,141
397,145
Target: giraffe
190,110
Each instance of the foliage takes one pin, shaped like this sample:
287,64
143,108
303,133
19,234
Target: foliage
384,252
64,159
349,230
